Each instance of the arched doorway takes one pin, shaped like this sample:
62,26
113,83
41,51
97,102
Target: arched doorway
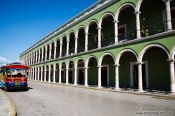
52,50
48,51
126,28
152,17
63,73
92,72
47,73
71,72
44,53
107,32
81,40
72,44
158,69
108,71
51,73
128,70
58,49
57,73
43,73
92,36
64,46
81,77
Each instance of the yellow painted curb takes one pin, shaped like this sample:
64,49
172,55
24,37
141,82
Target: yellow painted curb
14,113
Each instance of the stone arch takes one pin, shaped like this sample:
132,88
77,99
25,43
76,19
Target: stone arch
141,54
103,55
121,8
127,59
106,14
122,52
156,56
92,30
92,63
71,71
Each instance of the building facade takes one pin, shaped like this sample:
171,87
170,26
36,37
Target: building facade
122,44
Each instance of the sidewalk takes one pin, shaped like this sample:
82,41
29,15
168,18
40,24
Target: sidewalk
6,106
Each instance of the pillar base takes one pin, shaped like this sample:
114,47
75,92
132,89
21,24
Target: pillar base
140,91
99,87
117,89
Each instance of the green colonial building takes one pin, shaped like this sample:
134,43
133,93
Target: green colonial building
120,44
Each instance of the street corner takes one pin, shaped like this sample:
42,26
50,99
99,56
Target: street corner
7,108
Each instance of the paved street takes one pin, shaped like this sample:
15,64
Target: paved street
56,100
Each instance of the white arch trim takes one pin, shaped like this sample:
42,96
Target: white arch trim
103,16
105,54
121,8
124,51
141,54
87,60
89,23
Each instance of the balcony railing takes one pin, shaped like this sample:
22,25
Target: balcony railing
123,37
71,51
80,49
109,40
153,29
92,46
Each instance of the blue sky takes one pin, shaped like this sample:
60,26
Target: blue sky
24,22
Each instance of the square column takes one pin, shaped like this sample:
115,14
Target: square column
42,55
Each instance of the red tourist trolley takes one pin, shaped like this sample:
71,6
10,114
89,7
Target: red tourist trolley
14,76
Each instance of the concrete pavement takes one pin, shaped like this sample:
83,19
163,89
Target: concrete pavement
44,99
6,105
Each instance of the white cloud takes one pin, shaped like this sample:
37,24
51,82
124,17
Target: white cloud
3,61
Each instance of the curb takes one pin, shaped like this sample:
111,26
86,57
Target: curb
14,113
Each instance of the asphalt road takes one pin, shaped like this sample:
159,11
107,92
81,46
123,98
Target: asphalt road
57,100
